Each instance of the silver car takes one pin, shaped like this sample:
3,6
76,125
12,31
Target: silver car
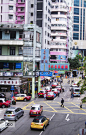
13,113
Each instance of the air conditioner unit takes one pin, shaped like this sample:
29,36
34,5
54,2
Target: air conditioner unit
7,32
9,26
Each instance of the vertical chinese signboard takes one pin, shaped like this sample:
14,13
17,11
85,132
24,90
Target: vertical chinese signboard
44,63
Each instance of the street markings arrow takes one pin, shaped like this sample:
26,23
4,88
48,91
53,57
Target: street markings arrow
67,119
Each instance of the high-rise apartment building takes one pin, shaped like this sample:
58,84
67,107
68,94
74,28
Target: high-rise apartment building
60,35
7,11
79,27
39,12
13,11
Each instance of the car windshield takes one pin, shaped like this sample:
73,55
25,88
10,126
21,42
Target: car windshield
50,93
22,95
41,92
9,112
36,120
76,90
34,108
53,90
17,95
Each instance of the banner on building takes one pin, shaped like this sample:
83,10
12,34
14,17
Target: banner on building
27,68
59,66
44,60
10,82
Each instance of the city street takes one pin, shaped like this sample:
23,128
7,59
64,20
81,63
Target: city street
63,121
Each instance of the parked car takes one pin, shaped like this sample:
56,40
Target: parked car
55,91
36,110
54,85
76,91
50,95
2,95
13,113
41,93
60,80
4,103
2,124
39,122
22,97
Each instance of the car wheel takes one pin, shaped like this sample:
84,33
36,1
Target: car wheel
16,118
30,128
44,128
25,99
22,114
3,106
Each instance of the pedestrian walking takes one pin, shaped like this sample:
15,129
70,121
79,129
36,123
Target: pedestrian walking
80,105
62,102
45,96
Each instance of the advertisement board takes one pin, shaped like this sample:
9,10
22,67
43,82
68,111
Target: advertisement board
59,66
10,82
7,73
18,65
17,74
44,60
27,68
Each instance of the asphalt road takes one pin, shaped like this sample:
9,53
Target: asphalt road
63,121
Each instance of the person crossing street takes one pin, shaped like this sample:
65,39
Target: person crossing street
62,102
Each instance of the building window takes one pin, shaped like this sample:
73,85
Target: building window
12,34
22,17
1,18
22,0
0,50
76,3
1,1
39,23
10,7
31,5
84,3
76,11
0,34
1,9
76,19
76,36
12,50
40,6
76,27
31,14
20,50
22,8
10,16
31,22
39,14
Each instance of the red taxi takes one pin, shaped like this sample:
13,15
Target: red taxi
36,110
55,91
58,88
50,95
48,89
54,85
41,93
4,103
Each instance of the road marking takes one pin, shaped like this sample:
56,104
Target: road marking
50,120
52,117
66,108
54,98
78,107
67,119
50,106
27,105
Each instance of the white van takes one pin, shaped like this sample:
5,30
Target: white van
76,91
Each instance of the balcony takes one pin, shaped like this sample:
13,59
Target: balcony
11,58
20,14
11,42
58,28
58,34
20,5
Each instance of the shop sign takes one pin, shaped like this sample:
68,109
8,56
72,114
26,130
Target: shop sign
46,73
17,74
44,63
18,65
7,73
57,76
10,82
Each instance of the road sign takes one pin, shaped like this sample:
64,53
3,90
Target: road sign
46,73
57,76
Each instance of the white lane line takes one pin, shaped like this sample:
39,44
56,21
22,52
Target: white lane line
55,98
52,116
50,120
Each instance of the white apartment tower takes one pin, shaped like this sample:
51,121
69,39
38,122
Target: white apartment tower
60,32
7,11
